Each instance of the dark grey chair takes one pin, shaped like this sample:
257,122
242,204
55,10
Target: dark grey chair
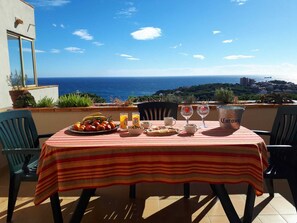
157,110
283,150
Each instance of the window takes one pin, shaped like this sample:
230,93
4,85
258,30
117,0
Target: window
22,58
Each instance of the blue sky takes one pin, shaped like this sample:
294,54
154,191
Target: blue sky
165,37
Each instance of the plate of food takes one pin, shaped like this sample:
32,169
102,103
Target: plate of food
90,132
161,131
95,123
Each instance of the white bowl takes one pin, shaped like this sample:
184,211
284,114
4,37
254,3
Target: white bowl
135,131
191,128
146,124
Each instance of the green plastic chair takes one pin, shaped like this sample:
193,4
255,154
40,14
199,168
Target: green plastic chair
20,145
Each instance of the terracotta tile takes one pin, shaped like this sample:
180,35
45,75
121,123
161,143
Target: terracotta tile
282,206
290,218
203,220
204,209
237,202
271,219
257,220
163,203
151,207
263,204
3,204
156,203
218,219
217,209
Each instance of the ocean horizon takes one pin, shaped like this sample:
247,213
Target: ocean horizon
110,88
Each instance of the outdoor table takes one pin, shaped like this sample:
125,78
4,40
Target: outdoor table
213,155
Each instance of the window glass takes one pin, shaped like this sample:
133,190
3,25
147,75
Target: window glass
14,55
28,61
21,61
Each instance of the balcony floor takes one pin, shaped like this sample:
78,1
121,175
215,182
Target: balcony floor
155,203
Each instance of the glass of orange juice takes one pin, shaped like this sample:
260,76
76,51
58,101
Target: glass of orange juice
136,119
123,121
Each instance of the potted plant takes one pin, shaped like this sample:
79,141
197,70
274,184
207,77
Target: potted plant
224,95
25,100
15,81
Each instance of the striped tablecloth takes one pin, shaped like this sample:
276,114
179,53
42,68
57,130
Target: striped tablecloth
214,155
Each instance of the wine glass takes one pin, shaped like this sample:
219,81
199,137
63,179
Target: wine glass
203,111
186,111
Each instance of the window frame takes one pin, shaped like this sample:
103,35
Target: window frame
20,39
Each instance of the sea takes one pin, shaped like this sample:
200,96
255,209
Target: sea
110,88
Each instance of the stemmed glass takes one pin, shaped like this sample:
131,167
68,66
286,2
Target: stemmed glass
203,111
186,111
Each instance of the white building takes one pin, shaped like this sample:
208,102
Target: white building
17,52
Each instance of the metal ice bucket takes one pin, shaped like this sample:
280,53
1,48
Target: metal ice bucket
230,116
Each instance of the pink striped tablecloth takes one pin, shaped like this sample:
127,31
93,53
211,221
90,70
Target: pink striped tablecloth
214,155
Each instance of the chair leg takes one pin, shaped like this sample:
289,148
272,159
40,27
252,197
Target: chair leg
132,193
293,186
270,187
186,190
14,186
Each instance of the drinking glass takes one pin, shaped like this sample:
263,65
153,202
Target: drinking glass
135,119
186,111
203,111
123,121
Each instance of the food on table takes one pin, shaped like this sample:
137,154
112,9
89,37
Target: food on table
94,122
135,130
96,115
161,130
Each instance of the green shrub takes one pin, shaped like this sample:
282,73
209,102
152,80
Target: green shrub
45,102
276,98
224,95
74,100
15,80
95,98
188,99
25,100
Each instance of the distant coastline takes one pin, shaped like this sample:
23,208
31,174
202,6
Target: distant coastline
273,91
123,87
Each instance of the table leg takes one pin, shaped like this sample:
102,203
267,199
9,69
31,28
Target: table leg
56,208
220,191
132,192
186,190
82,205
249,204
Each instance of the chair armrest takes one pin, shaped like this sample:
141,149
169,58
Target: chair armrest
24,151
281,148
262,132
45,135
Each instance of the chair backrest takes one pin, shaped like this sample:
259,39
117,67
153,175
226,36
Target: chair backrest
284,130
157,110
17,130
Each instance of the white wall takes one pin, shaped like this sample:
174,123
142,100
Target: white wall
49,91
9,10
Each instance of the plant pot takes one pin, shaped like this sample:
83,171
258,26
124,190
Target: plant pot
14,94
